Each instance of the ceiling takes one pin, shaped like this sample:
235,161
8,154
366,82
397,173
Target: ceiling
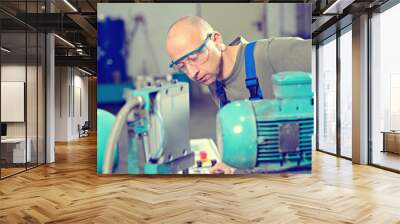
76,22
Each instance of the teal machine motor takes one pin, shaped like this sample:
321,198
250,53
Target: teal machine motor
150,132
270,136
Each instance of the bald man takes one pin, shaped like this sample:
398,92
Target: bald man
237,71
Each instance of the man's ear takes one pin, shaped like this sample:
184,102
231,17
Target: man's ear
217,38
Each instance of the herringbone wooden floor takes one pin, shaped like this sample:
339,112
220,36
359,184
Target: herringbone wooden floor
70,191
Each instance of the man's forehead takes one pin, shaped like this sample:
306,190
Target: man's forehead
182,44
187,40
187,32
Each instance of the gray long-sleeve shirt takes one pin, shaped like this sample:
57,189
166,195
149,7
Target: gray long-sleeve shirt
271,56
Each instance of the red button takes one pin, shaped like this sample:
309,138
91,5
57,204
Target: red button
203,155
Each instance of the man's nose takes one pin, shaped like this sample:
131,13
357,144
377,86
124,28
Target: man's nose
191,71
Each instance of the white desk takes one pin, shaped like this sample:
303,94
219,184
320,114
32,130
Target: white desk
18,150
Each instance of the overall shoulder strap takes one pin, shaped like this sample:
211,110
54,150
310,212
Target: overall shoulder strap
251,75
220,91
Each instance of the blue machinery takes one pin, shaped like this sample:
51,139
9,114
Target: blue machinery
111,62
268,136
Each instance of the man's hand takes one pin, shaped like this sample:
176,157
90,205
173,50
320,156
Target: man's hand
221,168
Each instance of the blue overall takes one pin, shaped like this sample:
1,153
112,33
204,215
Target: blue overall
251,78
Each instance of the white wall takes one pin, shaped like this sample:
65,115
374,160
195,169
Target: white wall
81,94
61,103
71,87
10,73
13,73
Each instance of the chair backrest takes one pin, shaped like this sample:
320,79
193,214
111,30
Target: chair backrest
86,124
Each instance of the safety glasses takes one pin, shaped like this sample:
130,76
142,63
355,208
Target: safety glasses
197,56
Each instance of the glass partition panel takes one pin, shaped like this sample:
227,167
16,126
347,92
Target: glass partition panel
385,84
346,94
327,96
14,153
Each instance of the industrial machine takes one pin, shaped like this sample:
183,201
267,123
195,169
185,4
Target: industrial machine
150,132
271,135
